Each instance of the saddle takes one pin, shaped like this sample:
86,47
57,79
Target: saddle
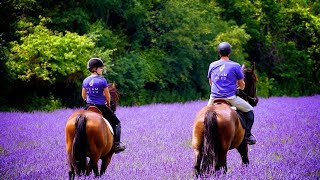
222,101
96,110
240,114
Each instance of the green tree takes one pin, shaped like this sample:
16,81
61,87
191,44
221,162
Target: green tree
298,64
139,75
51,56
50,66
284,41
156,51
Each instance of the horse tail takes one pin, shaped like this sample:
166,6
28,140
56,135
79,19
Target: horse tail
210,142
80,144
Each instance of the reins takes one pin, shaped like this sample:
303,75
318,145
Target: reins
254,78
252,98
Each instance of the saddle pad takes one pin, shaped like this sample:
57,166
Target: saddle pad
109,125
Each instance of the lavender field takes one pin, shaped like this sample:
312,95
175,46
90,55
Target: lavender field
158,139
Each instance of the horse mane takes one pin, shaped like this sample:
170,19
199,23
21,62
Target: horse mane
249,93
251,75
114,94
251,80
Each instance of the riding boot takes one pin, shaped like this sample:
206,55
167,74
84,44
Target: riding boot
118,146
249,138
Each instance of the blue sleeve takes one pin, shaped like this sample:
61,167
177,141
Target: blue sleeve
209,72
239,73
83,85
105,84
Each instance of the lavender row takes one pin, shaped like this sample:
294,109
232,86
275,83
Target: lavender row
158,139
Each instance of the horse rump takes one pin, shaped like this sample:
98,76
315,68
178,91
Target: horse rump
210,143
79,146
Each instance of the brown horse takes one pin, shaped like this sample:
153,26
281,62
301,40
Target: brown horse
217,129
250,92
87,135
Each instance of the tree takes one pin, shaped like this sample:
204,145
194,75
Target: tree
51,56
187,31
50,66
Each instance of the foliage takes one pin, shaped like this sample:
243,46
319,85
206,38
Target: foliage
48,55
186,32
108,39
298,53
5,76
265,85
238,38
284,42
44,103
136,72
49,62
74,20
155,51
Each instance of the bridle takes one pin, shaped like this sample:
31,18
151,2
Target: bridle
247,96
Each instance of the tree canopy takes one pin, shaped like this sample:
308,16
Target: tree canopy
155,51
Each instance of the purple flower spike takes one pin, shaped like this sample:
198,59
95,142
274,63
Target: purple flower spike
158,140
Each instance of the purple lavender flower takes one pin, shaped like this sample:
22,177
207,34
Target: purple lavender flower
158,140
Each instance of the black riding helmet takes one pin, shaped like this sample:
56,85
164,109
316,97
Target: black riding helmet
224,49
94,63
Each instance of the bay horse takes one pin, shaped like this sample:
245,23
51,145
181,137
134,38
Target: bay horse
249,93
88,135
217,128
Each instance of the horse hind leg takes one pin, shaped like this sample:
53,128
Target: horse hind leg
71,172
243,151
221,162
93,165
105,163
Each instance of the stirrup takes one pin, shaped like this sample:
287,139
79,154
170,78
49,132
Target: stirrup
251,140
118,147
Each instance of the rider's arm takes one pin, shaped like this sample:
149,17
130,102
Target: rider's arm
241,84
84,94
210,82
107,95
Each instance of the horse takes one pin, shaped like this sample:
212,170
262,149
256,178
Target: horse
217,128
249,93
87,135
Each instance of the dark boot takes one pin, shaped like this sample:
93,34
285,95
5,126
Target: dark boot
249,138
118,146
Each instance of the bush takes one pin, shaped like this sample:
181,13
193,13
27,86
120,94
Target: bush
265,85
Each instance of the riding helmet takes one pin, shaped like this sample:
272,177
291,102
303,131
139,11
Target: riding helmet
224,49
94,63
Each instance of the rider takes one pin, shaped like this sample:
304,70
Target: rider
225,76
96,93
